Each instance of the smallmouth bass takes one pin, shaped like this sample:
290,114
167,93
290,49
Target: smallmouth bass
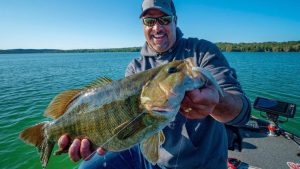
116,115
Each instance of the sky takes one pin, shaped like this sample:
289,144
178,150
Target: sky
94,24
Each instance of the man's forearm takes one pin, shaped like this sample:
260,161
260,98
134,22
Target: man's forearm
228,108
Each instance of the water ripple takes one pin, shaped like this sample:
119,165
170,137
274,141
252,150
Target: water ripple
30,81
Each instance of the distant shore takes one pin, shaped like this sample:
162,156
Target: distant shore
290,46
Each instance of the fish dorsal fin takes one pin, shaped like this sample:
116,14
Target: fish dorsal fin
99,82
59,104
129,128
150,147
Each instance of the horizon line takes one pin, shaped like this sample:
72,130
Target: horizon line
141,46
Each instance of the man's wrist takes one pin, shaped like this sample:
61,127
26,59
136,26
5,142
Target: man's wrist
228,107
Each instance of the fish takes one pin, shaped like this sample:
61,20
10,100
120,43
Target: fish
117,115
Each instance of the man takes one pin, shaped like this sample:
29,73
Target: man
196,138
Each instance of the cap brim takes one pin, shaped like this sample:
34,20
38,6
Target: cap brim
168,12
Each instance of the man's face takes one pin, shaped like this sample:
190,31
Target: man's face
160,37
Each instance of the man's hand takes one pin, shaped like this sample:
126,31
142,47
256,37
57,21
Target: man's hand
78,149
199,103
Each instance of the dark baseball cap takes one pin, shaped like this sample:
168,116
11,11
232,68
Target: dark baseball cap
166,6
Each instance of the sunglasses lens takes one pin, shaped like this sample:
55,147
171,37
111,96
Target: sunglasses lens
149,21
165,20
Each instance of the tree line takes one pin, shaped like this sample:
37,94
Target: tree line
17,51
290,46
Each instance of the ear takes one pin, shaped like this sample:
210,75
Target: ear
175,19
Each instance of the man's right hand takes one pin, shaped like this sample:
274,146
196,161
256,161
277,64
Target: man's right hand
79,149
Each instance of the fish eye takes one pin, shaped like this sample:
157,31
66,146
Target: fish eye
172,70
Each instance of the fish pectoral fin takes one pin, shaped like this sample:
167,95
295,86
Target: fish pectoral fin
129,128
150,147
99,82
162,137
59,104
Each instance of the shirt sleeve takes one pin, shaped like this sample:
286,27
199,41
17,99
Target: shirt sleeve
129,70
244,115
214,61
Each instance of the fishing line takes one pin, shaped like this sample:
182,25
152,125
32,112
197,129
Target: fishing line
184,124
181,141
122,129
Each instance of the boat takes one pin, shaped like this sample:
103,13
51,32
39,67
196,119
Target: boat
262,143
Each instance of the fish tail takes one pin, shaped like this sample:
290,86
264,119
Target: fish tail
36,136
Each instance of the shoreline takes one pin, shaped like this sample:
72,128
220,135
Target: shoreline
290,46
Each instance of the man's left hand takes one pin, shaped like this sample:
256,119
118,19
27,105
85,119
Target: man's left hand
199,103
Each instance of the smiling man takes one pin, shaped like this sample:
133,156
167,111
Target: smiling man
161,36
196,138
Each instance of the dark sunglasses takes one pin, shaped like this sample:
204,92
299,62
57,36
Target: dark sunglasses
163,20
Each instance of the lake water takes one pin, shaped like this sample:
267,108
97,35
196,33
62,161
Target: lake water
28,82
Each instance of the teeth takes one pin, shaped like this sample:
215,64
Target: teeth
158,36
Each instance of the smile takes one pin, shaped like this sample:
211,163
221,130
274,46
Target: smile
161,36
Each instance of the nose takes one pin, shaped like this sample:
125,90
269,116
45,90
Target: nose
157,27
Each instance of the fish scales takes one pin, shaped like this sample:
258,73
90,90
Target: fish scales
119,114
108,116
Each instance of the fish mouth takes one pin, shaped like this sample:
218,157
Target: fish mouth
162,109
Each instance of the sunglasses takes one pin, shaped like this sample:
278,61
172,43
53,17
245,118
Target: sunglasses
163,20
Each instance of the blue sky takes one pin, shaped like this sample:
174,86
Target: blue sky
73,24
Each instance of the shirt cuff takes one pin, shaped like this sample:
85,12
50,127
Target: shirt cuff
244,115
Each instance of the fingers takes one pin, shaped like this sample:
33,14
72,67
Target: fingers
101,151
78,149
189,110
85,149
206,96
82,149
193,96
63,144
63,141
198,104
211,81
74,150
192,113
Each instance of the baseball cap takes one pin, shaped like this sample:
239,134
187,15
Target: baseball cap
166,6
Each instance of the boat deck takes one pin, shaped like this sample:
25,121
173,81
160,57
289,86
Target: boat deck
266,152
